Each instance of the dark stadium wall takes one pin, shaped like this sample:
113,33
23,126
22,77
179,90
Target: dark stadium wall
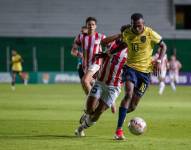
48,52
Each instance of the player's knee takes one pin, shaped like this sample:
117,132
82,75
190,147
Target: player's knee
128,96
85,80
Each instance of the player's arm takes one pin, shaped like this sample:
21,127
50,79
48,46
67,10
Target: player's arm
109,52
75,52
16,60
162,52
75,48
162,49
118,48
110,39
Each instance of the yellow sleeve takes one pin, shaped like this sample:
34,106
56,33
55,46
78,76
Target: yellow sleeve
155,37
125,35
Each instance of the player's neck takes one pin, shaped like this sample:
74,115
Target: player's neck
91,32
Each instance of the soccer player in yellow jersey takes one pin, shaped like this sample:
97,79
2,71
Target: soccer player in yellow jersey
16,62
140,41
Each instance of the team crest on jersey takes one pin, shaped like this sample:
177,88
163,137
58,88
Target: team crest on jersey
143,39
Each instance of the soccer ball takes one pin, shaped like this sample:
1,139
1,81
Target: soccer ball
137,126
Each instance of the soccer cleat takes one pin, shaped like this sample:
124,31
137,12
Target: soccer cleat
119,135
83,117
79,133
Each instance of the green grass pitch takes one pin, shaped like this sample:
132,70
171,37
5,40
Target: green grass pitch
43,117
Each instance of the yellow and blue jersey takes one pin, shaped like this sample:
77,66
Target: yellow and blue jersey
140,48
16,63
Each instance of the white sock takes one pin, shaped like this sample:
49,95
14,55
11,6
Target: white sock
161,87
173,86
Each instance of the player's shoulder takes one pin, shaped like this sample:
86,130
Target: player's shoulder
127,30
148,29
18,56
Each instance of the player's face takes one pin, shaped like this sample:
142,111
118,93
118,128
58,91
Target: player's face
138,26
14,53
173,58
91,25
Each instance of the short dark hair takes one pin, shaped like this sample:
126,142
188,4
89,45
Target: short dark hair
91,19
136,16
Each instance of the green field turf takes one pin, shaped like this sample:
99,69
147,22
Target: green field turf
43,117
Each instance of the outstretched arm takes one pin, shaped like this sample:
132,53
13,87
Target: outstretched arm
157,67
110,39
75,52
120,47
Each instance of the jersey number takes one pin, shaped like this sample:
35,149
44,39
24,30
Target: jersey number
143,87
135,47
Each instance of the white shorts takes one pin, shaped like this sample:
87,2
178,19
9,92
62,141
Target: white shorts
106,93
174,77
94,68
163,74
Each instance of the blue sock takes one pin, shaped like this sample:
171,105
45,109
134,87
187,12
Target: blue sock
121,117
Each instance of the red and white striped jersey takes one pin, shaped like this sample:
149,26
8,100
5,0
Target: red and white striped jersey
174,66
90,45
112,67
164,62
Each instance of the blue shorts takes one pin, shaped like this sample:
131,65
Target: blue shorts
140,80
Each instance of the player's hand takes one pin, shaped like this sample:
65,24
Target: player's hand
79,54
100,55
157,69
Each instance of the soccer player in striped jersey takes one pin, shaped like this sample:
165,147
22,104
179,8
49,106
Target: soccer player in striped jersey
91,45
164,67
78,53
106,89
174,67
16,62
136,75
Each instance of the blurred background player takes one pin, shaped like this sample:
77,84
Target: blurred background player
107,87
79,53
16,62
164,66
91,45
136,73
174,67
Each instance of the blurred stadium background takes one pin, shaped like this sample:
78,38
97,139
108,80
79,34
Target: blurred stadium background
43,32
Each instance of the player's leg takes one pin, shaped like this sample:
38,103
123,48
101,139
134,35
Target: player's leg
172,81
129,77
91,105
162,82
86,81
13,75
99,110
123,109
23,76
88,77
134,102
81,74
85,121
142,85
